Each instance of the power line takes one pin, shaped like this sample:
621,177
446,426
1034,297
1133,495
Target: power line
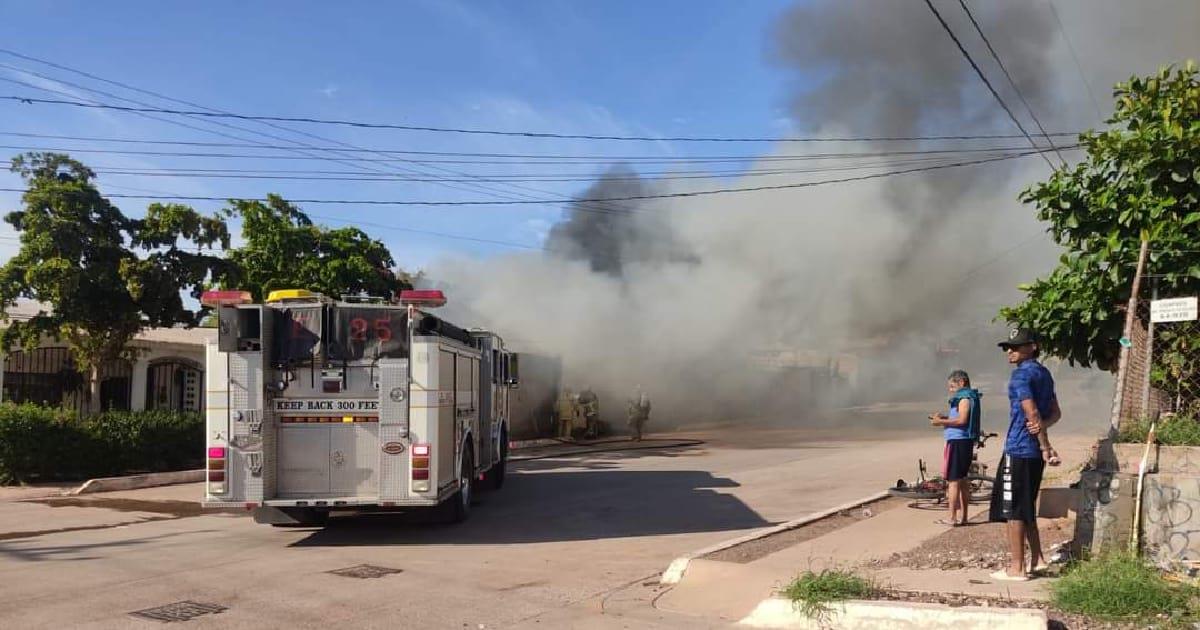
1008,76
703,173
301,149
527,134
526,156
304,153
697,193
768,159
1078,66
472,186
360,176
983,77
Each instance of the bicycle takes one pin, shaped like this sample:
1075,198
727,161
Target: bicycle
934,488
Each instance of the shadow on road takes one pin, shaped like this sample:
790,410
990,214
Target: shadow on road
562,506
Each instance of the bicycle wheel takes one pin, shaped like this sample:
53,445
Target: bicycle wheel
981,488
910,492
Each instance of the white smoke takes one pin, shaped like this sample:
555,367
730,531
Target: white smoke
862,280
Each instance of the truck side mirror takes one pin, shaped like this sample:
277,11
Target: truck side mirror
514,372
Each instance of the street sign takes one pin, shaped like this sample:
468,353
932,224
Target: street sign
1173,310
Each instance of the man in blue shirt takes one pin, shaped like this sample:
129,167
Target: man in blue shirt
1033,406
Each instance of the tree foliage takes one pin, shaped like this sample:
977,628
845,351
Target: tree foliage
284,250
104,275
1141,179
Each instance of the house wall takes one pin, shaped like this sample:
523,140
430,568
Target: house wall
149,355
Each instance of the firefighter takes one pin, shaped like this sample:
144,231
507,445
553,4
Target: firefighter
639,412
589,408
565,411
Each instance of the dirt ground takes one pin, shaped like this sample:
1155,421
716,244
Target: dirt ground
978,545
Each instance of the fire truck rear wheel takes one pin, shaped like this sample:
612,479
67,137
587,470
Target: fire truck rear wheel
495,476
460,503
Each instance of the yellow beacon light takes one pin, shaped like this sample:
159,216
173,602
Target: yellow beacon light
282,295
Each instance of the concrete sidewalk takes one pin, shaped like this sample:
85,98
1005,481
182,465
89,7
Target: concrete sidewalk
731,590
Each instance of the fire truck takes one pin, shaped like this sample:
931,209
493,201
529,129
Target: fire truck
358,404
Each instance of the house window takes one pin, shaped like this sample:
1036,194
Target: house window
174,384
45,376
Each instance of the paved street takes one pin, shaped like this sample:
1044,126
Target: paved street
576,541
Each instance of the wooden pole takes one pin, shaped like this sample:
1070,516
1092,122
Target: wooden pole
1130,319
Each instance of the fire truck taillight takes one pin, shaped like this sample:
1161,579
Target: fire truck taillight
216,469
420,467
225,298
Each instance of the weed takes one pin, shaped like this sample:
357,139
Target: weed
812,591
1171,431
1119,586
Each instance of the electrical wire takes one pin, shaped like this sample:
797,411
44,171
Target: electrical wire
978,29
366,176
525,156
472,186
767,159
1075,57
527,134
983,77
697,193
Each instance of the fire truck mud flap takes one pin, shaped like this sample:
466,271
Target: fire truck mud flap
290,517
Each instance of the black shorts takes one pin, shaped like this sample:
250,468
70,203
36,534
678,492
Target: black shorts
1014,495
956,462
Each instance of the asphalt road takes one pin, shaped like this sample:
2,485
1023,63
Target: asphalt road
570,542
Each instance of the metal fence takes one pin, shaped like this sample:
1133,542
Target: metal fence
1172,382
1159,368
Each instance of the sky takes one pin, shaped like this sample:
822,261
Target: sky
660,68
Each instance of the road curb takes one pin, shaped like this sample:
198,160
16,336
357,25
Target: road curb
777,612
520,444
679,565
133,482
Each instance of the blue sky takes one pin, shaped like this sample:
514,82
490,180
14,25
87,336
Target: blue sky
656,68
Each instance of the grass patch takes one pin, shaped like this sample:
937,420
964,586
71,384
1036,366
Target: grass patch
1119,586
812,591
1171,431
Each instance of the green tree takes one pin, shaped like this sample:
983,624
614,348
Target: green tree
1141,179
104,275
284,250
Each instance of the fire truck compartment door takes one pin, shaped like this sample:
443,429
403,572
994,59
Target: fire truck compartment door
329,459
354,459
304,459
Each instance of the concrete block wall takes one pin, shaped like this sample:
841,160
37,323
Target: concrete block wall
1171,518
1170,514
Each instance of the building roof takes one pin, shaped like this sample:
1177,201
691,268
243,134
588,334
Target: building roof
24,310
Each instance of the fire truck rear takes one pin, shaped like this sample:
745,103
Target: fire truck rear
316,405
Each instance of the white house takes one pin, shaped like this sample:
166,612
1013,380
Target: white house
168,372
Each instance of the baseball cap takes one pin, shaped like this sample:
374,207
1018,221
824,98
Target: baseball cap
1019,336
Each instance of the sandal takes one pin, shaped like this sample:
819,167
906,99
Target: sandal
949,523
1003,576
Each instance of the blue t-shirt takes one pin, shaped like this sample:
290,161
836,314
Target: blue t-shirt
970,430
1029,381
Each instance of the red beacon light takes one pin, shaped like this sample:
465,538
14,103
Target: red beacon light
423,297
225,298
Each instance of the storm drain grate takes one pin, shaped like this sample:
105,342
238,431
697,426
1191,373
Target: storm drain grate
365,571
179,611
